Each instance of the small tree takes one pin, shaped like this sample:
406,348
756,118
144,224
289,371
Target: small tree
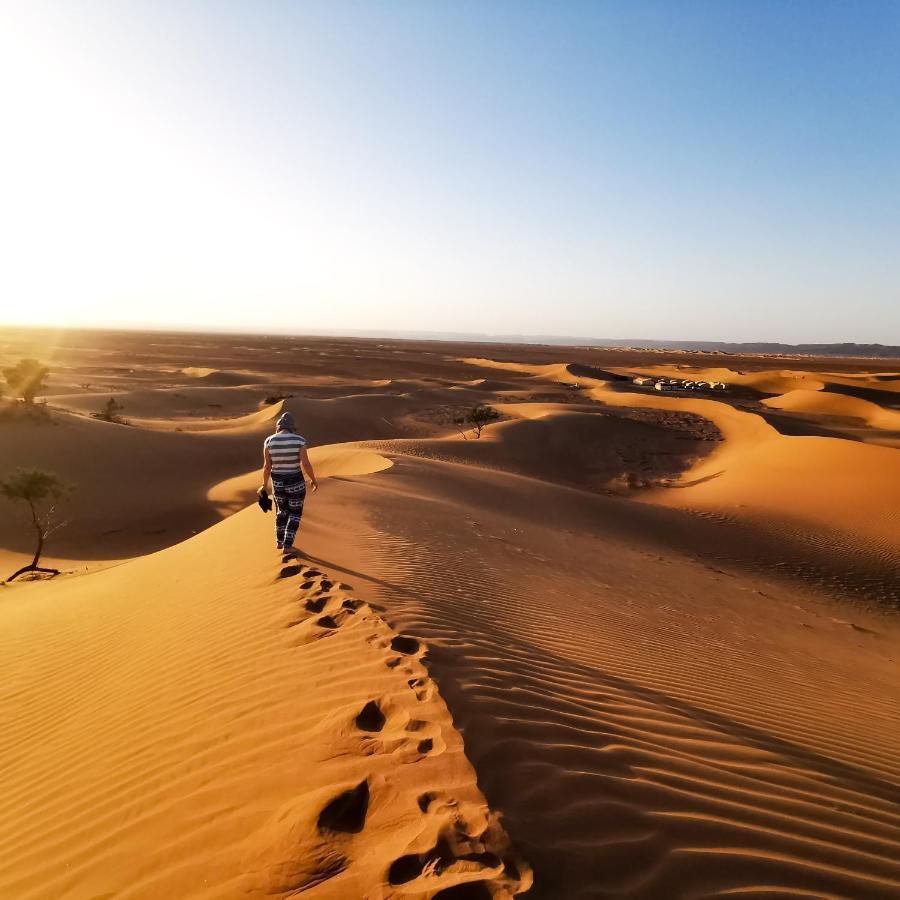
110,412
26,379
476,418
459,422
41,491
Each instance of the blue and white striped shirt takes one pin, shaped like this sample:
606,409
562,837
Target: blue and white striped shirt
284,449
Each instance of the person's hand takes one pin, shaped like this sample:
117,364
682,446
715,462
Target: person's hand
315,486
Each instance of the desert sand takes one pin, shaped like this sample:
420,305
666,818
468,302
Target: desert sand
624,644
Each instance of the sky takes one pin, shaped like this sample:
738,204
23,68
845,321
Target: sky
686,170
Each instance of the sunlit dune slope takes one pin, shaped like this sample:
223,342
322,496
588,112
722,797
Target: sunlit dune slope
330,461
830,404
220,377
208,722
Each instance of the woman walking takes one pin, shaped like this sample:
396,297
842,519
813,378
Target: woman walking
285,459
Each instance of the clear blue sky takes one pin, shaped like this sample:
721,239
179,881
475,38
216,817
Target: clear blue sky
708,170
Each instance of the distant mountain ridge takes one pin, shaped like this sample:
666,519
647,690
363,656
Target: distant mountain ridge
847,349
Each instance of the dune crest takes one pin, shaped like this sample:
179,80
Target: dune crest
837,405
209,722
330,461
758,474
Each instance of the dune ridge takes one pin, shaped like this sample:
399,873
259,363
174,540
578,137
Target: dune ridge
757,474
201,722
837,405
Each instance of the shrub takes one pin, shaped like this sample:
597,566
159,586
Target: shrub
26,379
476,418
110,412
272,399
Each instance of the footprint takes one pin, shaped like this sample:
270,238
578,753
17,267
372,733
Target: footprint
423,688
407,645
317,605
336,619
370,717
470,860
424,740
442,865
477,890
289,571
436,802
425,800
346,813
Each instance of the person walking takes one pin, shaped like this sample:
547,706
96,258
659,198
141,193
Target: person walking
284,460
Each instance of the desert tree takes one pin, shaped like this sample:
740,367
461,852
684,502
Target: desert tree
459,423
26,378
41,491
476,418
110,412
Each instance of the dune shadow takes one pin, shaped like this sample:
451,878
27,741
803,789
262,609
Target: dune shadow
696,481
526,709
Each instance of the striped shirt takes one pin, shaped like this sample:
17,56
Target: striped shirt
284,449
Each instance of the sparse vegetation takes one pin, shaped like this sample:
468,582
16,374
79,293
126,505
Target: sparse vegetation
475,418
41,491
15,411
110,412
272,399
26,379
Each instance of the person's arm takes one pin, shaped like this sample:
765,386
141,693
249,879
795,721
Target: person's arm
304,461
267,467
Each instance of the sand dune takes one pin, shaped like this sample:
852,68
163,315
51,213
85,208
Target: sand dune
837,405
135,489
758,474
875,386
222,377
652,725
169,407
570,445
332,461
883,381
765,382
664,626
193,725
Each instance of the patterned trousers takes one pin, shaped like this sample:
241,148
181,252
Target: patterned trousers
290,492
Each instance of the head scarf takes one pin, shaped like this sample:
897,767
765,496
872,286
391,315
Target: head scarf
286,422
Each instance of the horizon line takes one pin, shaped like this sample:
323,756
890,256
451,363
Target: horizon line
423,335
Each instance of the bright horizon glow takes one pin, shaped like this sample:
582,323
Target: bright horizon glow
698,171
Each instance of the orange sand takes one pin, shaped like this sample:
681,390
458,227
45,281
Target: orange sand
661,631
